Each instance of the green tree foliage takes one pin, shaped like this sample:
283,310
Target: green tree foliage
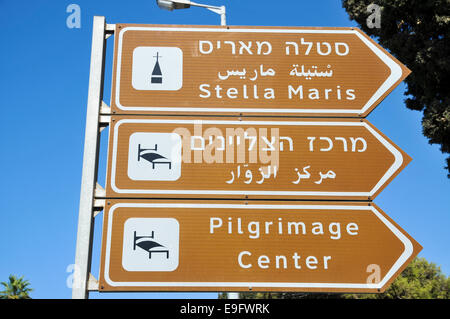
15,288
417,33
420,280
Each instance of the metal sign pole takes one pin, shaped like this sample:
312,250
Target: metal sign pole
90,162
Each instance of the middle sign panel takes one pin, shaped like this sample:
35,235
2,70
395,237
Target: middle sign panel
221,158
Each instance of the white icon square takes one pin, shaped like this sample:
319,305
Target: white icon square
154,156
157,68
151,244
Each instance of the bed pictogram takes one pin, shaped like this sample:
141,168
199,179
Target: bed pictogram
150,155
148,244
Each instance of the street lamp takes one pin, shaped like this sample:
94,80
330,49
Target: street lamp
184,4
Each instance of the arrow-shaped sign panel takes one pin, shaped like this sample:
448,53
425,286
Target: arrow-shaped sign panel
268,246
162,69
216,158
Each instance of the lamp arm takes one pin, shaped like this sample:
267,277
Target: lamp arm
195,4
219,10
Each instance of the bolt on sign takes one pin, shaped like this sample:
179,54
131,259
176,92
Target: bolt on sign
270,246
160,69
221,158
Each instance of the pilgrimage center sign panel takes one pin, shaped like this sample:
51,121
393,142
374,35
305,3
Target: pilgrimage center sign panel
240,246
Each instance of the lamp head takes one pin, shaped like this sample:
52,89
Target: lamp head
173,4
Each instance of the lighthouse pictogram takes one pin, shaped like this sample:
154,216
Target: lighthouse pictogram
156,74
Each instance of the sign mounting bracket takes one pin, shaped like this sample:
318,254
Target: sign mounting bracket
104,118
109,30
92,283
99,202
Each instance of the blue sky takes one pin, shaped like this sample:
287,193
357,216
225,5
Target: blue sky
44,69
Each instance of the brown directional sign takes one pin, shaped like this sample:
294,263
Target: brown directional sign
160,69
248,158
240,246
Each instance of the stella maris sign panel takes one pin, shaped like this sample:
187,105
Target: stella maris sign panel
220,158
160,69
240,246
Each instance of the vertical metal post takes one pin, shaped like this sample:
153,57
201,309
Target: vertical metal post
90,162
